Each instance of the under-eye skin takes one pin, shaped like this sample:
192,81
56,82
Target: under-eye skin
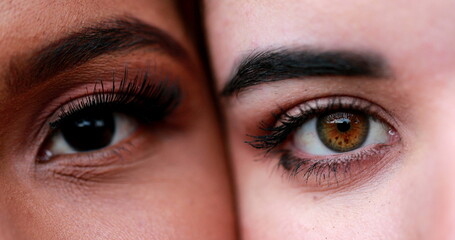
107,115
330,142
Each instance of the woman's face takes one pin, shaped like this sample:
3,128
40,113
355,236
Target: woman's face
346,107
107,129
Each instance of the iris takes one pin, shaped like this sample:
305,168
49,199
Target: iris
343,131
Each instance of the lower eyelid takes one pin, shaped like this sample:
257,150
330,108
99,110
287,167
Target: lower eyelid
341,171
89,166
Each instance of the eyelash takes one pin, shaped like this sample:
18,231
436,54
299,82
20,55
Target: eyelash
147,100
322,168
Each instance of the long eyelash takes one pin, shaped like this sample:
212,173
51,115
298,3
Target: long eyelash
149,100
278,134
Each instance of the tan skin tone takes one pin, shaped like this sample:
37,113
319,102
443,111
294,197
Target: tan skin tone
161,180
407,192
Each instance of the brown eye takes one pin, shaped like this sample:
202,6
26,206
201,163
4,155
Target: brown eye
336,132
343,131
91,132
88,132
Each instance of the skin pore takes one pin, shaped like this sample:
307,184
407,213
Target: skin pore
280,64
129,66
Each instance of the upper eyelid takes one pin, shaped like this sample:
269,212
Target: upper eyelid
117,95
356,103
109,82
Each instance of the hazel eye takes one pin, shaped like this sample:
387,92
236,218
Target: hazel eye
342,131
89,132
338,132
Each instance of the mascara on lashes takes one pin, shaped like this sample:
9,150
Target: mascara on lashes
143,97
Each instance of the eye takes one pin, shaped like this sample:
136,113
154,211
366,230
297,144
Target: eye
106,116
89,131
331,140
338,132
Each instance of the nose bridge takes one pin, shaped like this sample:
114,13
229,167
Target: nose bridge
438,143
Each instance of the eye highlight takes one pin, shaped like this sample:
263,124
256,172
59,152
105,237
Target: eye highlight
329,140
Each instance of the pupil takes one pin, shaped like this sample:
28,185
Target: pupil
89,132
344,126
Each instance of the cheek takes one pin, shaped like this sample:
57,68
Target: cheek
139,211
155,197
270,209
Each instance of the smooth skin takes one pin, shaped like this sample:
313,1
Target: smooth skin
410,197
170,184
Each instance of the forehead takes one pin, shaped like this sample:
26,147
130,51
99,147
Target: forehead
27,25
34,18
398,29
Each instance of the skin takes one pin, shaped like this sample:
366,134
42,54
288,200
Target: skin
412,195
167,185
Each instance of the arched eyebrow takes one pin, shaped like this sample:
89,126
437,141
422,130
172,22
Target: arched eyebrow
282,64
79,47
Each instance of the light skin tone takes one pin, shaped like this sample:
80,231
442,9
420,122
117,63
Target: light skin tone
393,56
162,178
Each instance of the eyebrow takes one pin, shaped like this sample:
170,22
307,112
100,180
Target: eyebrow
79,47
282,64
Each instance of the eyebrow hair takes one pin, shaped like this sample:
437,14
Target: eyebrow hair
282,64
90,42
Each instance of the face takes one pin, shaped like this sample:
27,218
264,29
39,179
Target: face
107,129
345,108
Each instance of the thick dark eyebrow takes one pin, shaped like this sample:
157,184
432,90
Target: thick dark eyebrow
275,65
90,42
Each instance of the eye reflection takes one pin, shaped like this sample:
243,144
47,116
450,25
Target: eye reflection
90,132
